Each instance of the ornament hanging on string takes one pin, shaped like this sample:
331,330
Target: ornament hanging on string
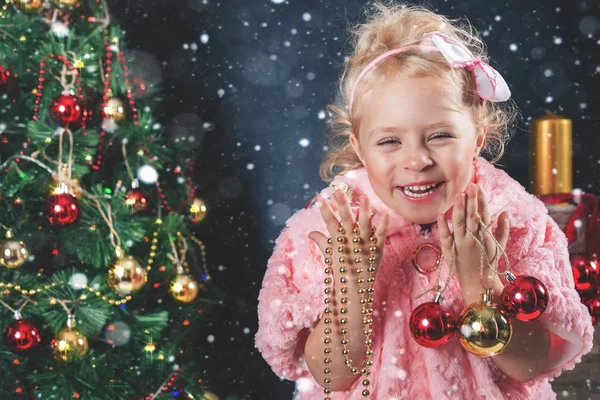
30,7
197,210
69,344
483,327
66,109
126,276
183,287
524,297
431,324
135,199
62,207
13,253
22,335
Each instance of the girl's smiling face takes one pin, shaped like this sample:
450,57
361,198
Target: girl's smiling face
412,130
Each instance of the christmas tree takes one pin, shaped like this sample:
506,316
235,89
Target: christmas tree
103,280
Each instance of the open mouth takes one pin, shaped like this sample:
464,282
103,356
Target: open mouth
422,191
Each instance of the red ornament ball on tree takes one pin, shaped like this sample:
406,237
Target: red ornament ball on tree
62,209
586,273
22,335
137,201
66,109
431,325
593,306
525,298
4,76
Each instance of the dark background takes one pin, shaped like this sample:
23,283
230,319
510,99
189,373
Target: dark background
250,97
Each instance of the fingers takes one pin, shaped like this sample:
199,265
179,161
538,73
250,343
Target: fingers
503,229
458,216
331,221
319,239
482,206
473,217
364,215
344,210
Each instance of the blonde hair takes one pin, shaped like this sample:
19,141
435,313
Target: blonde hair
390,26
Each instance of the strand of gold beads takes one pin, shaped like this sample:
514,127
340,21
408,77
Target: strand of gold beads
366,301
328,319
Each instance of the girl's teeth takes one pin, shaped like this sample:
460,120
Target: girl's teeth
408,192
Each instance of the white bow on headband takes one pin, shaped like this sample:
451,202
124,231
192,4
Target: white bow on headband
490,84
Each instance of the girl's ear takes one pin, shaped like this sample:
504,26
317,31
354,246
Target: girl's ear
356,146
480,139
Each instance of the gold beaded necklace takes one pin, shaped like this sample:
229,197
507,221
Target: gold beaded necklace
366,303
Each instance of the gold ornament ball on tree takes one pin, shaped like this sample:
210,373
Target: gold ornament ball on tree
28,6
69,4
209,396
13,254
483,329
114,109
69,344
198,210
184,289
127,276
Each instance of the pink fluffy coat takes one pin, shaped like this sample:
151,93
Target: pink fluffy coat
291,302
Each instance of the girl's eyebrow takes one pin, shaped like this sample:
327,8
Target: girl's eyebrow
397,129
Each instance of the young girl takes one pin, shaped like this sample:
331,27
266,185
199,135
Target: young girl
413,198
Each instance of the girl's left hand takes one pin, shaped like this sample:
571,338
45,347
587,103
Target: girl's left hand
471,207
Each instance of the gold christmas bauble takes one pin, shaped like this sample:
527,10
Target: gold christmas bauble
69,4
483,329
69,344
13,254
28,6
198,210
114,109
209,396
126,276
184,288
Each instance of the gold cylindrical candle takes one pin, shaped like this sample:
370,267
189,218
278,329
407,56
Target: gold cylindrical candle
550,155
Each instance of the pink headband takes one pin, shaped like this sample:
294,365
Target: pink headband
490,84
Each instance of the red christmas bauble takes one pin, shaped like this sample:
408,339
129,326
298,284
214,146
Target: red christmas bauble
22,335
525,298
137,201
586,273
62,209
66,109
4,76
593,306
432,325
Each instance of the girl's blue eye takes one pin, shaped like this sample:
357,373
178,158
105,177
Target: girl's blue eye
392,140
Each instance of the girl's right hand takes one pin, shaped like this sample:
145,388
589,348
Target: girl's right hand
340,201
